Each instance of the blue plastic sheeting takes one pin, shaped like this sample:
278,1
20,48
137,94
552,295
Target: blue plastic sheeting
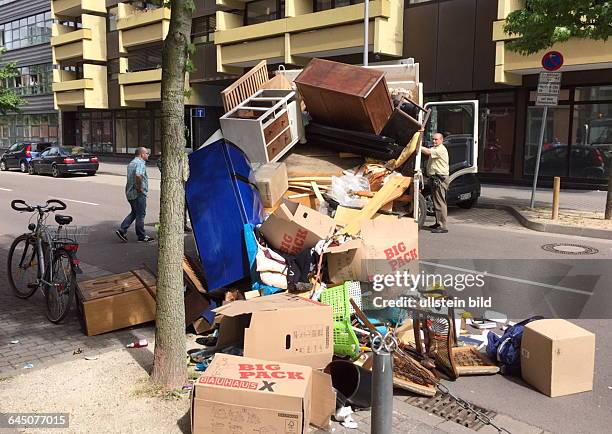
221,200
252,248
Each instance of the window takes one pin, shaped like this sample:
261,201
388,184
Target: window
323,5
31,80
26,32
594,93
260,11
591,140
496,128
33,128
204,28
555,146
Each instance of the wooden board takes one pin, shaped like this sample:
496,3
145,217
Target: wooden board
189,273
393,189
115,302
469,361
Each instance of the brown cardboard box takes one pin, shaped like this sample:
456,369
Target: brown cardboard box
272,182
117,301
294,227
283,327
240,395
557,357
388,244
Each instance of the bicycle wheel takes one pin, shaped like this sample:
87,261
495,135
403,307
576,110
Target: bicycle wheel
59,295
23,266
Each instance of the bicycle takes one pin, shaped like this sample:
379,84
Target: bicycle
42,260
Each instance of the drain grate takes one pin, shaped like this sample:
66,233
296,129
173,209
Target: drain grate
570,249
445,407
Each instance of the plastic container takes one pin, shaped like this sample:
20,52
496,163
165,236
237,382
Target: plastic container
345,339
353,383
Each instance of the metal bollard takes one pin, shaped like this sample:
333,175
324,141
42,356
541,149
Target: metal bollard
382,382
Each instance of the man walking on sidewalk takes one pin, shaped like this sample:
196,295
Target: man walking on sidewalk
437,172
136,189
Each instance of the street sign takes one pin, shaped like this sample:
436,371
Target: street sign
199,112
549,86
552,61
547,100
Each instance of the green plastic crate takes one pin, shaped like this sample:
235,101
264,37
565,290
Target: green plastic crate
345,339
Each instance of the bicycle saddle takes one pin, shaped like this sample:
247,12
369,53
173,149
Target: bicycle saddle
63,219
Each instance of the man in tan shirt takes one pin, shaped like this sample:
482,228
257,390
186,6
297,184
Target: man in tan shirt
437,172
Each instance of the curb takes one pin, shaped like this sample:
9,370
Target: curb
549,227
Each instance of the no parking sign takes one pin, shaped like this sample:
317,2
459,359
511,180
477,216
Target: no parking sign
552,61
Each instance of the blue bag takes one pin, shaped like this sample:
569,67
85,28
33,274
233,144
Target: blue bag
506,350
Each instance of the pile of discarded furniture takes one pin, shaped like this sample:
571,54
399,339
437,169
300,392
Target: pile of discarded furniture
281,289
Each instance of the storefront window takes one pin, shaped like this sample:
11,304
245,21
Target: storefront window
496,129
555,145
35,127
591,140
593,93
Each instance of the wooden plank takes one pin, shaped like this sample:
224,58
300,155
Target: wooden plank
299,195
191,275
319,179
393,189
317,192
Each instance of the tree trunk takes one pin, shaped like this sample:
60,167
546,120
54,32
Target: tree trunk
169,368
609,197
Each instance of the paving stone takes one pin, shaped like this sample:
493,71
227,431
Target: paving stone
512,425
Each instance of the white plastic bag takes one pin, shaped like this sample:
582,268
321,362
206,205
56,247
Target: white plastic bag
342,189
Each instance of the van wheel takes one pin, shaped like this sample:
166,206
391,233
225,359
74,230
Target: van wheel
31,170
467,204
23,167
422,211
3,166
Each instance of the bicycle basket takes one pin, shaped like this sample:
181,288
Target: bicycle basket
69,234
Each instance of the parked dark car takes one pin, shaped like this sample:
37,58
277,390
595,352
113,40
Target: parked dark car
20,154
59,161
586,162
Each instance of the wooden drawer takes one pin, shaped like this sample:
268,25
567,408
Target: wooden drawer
274,148
272,130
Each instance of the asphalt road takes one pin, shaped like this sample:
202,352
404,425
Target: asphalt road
521,276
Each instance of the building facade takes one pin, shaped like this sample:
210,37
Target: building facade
460,45
106,83
25,32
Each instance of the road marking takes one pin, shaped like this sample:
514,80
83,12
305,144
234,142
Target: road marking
5,189
77,201
512,279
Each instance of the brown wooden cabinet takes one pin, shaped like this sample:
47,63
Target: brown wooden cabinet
345,96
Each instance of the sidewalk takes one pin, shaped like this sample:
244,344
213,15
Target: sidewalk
118,168
580,211
520,196
111,389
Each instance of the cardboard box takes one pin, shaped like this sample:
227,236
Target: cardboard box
294,227
283,327
272,182
117,301
388,244
244,395
557,357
